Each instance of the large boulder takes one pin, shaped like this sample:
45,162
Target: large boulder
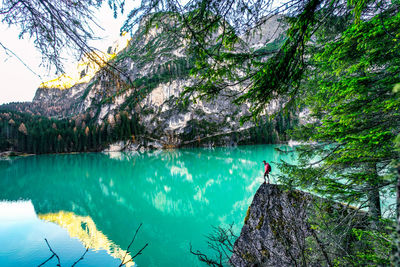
294,228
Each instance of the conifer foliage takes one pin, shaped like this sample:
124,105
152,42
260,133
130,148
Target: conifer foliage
355,114
35,134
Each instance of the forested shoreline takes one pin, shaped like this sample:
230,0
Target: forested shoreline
23,132
33,134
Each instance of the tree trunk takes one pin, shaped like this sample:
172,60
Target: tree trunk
396,260
374,204
374,200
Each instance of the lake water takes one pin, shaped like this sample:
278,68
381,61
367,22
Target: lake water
97,201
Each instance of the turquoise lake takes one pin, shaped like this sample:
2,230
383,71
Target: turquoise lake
97,201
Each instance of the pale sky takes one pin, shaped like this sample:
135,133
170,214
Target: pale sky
17,82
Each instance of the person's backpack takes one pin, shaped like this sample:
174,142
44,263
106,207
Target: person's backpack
268,167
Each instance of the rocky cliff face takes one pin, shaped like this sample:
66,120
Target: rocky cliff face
283,228
60,103
157,66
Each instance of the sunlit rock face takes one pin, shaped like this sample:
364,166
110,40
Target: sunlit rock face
158,67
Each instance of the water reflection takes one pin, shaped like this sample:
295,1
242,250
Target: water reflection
84,229
177,194
22,236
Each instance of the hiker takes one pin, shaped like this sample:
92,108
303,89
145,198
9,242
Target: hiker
267,169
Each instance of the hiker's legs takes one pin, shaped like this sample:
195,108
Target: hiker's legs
264,178
268,177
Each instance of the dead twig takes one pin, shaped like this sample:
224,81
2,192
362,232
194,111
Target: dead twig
130,244
204,258
81,258
54,254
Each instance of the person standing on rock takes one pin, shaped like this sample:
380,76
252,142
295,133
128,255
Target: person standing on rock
267,169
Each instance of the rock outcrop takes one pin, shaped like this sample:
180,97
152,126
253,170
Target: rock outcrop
280,229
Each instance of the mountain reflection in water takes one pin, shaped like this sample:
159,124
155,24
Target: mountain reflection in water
177,195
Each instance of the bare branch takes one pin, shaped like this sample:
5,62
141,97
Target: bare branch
81,258
54,254
204,258
139,252
129,246
9,51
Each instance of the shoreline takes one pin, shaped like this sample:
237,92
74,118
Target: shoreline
11,154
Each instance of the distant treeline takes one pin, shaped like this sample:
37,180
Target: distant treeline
267,130
35,134
273,131
40,108
28,133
